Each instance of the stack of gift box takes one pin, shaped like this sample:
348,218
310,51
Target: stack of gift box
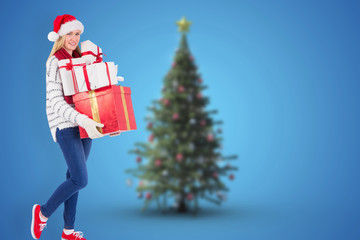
92,84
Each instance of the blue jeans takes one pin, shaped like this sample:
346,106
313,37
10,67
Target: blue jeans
76,152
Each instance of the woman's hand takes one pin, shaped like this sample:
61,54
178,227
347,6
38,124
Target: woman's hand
91,128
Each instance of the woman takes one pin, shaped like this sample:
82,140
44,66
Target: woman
64,121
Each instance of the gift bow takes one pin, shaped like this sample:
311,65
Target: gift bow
98,55
70,66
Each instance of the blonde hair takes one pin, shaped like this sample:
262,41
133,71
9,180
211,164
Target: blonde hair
59,44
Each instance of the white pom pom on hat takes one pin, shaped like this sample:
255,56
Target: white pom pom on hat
53,36
64,24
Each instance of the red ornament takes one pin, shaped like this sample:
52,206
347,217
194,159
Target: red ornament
189,197
179,157
173,64
138,159
202,122
199,95
199,80
181,89
158,162
151,138
215,175
231,176
150,125
175,116
210,137
166,102
148,195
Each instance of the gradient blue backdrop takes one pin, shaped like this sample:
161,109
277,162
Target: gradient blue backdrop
284,76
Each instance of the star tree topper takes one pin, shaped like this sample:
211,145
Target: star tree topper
183,25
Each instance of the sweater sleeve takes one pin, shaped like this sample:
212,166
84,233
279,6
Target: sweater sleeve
56,96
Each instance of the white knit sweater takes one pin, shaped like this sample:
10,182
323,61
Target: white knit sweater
60,114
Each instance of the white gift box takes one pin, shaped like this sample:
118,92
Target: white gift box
90,52
77,77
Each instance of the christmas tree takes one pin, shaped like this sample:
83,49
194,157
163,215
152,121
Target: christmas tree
184,161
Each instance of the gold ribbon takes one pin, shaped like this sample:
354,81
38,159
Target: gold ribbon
125,108
95,108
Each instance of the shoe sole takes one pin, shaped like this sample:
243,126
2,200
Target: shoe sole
32,221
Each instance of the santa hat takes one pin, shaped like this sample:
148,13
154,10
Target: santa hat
64,24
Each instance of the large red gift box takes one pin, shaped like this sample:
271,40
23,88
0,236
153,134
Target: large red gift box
110,106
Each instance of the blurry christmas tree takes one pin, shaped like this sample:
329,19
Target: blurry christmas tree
182,150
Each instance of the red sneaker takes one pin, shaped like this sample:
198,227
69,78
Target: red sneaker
37,226
73,236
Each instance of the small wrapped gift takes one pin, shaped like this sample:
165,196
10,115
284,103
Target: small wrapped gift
78,77
110,106
90,52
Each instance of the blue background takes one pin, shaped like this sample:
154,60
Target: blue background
284,76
